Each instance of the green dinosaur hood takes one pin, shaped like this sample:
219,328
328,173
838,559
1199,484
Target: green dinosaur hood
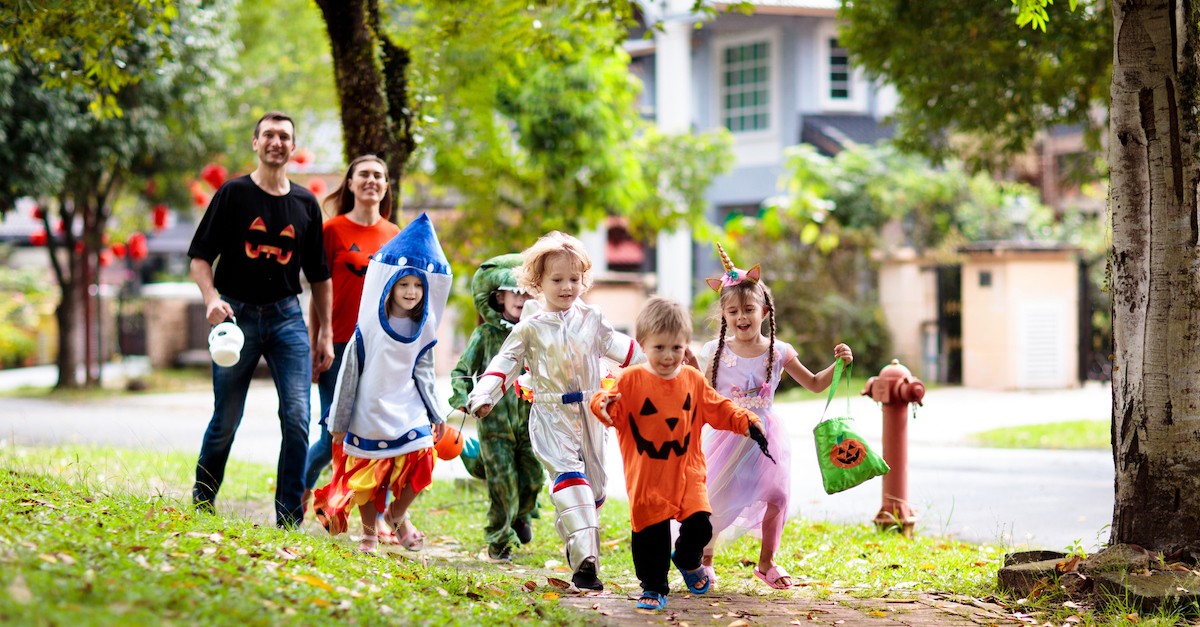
492,275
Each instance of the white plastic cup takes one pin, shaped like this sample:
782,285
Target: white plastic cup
225,343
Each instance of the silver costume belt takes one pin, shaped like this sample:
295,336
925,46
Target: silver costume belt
568,398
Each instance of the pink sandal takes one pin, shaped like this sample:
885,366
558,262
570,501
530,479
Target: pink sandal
367,544
413,539
772,577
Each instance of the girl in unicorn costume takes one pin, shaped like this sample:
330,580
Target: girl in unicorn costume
385,415
562,341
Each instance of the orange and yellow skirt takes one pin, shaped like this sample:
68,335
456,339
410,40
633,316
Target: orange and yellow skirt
357,481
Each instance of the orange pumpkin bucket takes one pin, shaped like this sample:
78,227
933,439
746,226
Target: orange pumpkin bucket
450,444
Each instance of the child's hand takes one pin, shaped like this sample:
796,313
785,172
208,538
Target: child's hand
603,415
689,358
439,430
843,352
483,410
337,437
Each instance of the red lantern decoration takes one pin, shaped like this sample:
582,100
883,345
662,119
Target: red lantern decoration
214,174
79,247
38,237
138,250
37,213
317,186
106,258
59,227
118,250
151,187
302,157
159,214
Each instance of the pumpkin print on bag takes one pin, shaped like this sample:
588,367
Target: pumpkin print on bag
848,453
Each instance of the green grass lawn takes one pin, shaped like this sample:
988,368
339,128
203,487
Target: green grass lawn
1077,434
103,536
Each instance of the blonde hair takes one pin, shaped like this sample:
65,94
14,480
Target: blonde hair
662,315
552,244
739,292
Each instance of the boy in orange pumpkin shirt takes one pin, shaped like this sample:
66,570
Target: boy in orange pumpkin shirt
658,409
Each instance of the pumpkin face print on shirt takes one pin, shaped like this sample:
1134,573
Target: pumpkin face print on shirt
355,260
262,244
658,433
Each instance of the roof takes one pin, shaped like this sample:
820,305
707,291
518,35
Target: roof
791,7
831,133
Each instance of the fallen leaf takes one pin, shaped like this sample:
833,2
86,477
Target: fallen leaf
19,590
739,623
1069,565
1071,604
49,559
66,559
136,548
877,614
442,592
285,554
558,583
530,586
1134,618
315,582
319,602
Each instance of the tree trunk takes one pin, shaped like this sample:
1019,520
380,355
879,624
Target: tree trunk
67,316
1155,274
371,76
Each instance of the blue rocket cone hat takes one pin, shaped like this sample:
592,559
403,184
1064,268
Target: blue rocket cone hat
415,250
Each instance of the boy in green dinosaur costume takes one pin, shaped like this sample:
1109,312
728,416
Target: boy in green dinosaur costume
514,475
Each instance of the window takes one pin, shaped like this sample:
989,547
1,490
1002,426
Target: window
745,87
839,71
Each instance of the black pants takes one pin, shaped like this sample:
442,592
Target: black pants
652,550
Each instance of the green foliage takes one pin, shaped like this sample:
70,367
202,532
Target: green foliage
817,236
283,64
971,81
26,300
86,46
528,112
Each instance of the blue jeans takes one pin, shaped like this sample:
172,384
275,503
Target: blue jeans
275,331
320,454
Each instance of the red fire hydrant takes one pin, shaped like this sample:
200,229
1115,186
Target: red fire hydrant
895,388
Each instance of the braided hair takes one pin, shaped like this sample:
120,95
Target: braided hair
739,292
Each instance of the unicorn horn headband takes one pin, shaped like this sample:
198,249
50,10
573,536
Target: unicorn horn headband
732,275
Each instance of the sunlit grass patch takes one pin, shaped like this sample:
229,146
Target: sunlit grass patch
82,539
1075,434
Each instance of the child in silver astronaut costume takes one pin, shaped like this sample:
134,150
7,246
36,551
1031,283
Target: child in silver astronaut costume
562,345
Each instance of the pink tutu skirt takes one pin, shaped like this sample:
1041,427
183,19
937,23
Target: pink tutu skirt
742,481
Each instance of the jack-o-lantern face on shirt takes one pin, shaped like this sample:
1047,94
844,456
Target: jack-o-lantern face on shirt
356,260
261,244
848,453
660,433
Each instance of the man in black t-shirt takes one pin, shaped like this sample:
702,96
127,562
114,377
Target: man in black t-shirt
258,233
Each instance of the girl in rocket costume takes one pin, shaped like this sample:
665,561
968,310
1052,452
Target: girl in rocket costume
385,402
562,344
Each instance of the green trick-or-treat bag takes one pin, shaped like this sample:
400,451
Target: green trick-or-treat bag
843,455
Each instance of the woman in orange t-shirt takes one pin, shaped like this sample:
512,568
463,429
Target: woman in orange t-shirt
361,207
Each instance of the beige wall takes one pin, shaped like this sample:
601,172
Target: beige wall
1020,332
908,295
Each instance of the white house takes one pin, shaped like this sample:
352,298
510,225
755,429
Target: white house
775,79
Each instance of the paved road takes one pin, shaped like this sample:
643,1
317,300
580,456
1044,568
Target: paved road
1038,498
